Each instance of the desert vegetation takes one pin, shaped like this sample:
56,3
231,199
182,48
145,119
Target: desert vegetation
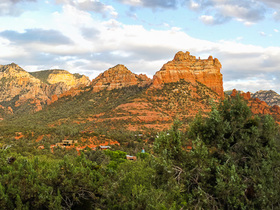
227,159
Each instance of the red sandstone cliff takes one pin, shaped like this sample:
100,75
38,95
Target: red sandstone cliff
187,67
118,77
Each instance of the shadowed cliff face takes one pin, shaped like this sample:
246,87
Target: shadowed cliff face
186,67
118,77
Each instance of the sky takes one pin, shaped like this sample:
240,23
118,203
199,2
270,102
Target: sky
91,36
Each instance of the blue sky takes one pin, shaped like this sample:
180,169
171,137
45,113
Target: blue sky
90,36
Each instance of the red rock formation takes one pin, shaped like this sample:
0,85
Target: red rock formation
16,82
234,93
10,110
53,99
37,104
118,77
276,109
259,107
5,111
187,67
246,96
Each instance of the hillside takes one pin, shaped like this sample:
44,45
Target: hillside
120,105
141,103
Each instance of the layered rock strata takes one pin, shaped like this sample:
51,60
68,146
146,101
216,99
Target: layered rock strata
57,76
118,77
18,86
187,67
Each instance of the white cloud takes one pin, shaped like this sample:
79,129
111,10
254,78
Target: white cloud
245,11
207,19
194,5
253,85
262,33
167,4
133,2
276,30
276,15
91,5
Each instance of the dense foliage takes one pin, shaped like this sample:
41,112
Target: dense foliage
234,163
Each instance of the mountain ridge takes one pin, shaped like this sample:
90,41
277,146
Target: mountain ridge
269,96
197,80
117,77
119,102
19,87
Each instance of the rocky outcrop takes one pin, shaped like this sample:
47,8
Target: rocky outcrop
246,96
258,106
187,67
118,77
18,86
14,81
5,111
61,76
53,99
269,96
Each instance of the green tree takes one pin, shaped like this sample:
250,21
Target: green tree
243,157
168,145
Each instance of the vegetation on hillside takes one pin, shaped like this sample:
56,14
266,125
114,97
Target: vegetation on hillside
233,163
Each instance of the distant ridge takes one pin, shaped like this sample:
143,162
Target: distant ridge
269,96
19,87
54,76
182,87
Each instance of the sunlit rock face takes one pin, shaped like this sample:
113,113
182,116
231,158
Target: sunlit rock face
187,67
18,86
118,77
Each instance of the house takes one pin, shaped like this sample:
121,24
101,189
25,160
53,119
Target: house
69,142
189,148
129,157
66,143
104,147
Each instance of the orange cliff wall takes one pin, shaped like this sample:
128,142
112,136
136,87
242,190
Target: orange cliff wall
187,67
